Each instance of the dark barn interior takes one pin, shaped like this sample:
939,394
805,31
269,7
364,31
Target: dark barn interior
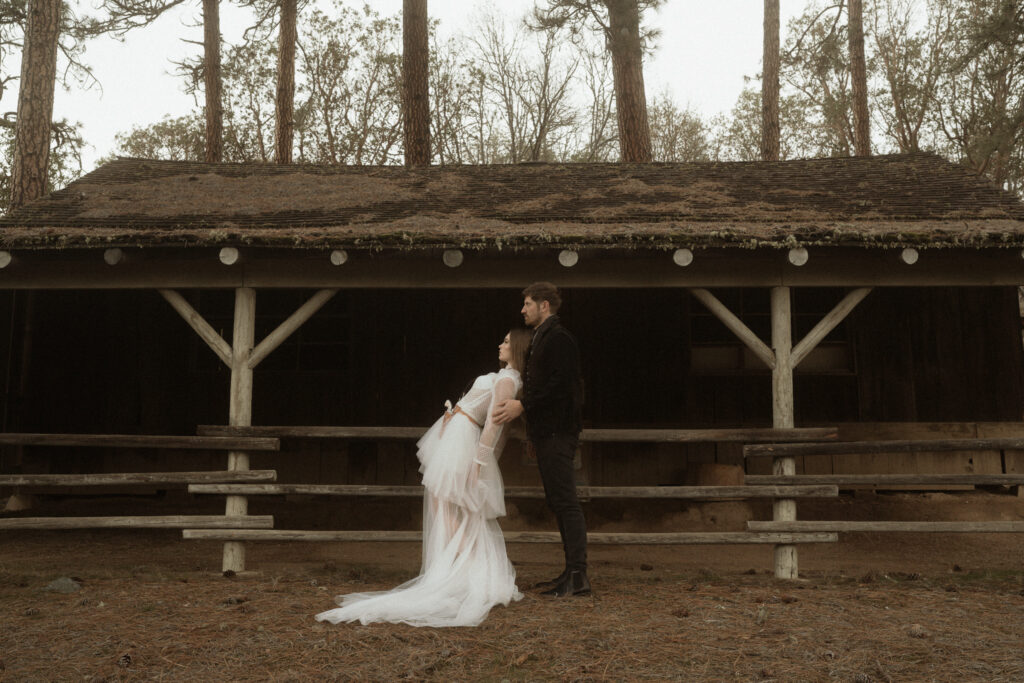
96,361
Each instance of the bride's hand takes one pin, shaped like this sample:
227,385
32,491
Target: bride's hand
506,411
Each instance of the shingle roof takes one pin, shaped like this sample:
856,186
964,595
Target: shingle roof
885,200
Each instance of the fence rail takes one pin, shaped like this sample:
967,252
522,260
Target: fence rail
737,435
680,492
681,538
206,443
781,452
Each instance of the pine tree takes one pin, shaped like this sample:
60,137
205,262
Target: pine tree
415,88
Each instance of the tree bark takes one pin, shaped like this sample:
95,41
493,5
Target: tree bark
415,83
285,103
859,80
212,81
770,83
35,102
628,73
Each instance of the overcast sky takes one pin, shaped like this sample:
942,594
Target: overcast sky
705,49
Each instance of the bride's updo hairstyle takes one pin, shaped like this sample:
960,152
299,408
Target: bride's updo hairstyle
519,339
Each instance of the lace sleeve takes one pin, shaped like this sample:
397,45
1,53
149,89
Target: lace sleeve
491,440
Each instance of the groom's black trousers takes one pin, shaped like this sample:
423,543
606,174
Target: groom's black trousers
555,454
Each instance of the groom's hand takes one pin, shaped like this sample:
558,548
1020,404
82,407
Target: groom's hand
506,411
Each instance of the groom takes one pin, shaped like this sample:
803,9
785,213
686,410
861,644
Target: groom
552,400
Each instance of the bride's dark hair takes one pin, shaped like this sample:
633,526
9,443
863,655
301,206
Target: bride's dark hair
519,339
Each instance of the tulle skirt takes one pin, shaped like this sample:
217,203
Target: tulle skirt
465,570
446,453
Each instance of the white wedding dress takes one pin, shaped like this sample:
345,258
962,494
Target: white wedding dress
465,569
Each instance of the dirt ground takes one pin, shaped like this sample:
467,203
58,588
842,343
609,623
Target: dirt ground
873,607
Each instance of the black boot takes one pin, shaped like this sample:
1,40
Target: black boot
576,583
550,583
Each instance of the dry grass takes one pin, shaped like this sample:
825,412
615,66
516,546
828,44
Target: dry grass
666,618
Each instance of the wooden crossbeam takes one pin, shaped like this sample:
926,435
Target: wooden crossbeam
735,325
866,447
199,324
834,317
146,522
681,492
689,538
114,478
219,443
292,323
738,435
804,526
886,479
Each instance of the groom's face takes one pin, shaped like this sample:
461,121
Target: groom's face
534,312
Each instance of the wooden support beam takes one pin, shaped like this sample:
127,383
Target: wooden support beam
675,492
896,446
906,527
888,479
240,410
294,322
179,267
114,478
782,369
827,324
786,563
199,324
689,538
739,435
147,522
201,443
735,325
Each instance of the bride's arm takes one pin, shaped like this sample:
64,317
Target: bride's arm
491,436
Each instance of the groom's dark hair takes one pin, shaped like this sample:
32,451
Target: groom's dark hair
544,291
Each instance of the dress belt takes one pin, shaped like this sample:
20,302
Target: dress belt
458,409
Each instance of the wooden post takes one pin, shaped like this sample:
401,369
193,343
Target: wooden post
240,410
783,510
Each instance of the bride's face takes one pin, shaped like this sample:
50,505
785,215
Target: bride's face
505,350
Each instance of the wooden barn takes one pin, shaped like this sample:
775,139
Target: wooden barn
877,295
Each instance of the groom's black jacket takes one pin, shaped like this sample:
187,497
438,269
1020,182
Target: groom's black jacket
553,387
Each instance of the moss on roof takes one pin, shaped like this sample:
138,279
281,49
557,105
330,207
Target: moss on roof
894,200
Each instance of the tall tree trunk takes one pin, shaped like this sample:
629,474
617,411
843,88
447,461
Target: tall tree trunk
770,83
212,81
285,103
415,83
35,102
859,79
628,72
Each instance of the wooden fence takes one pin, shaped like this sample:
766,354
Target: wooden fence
765,444
779,452
74,481
741,436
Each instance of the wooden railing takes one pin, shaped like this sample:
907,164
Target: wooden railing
206,443
739,435
764,443
857,448
750,435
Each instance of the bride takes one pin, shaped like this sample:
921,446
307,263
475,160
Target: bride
465,570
